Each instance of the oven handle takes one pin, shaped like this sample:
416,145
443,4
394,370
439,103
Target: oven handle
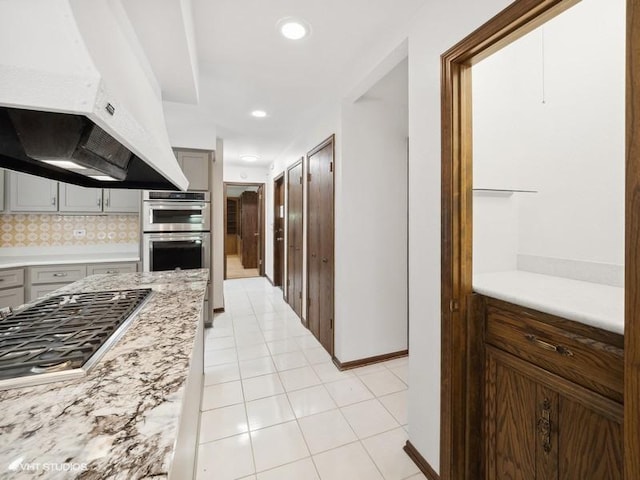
175,238
180,206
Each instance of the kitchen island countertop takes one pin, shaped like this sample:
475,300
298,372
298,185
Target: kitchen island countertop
121,420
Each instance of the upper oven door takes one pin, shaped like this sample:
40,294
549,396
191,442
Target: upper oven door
176,216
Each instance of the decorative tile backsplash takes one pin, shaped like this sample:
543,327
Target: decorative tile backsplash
39,230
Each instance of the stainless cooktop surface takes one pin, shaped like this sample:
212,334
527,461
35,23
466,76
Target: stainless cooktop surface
63,336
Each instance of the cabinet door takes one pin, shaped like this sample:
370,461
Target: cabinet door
120,200
195,166
11,297
29,193
539,426
510,422
589,440
80,199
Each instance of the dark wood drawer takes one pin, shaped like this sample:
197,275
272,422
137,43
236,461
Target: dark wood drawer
585,355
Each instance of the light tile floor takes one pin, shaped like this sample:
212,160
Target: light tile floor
275,407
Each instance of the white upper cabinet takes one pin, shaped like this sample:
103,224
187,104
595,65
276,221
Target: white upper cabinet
28,193
80,199
195,166
118,200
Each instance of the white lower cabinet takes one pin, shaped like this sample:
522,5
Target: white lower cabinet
11,287
109,268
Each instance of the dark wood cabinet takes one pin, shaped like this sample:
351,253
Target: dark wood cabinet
546,422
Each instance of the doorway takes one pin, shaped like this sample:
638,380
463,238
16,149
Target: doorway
295,221
278,231
320,243
244,230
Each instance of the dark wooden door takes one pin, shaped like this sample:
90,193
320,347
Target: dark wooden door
250,229
278,231
295,219
320,243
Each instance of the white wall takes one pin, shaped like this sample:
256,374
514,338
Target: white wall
436,28
569,148
245,174
371,312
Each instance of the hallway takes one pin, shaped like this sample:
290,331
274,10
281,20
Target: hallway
275,407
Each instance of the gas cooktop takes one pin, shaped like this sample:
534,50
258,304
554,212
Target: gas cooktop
63,336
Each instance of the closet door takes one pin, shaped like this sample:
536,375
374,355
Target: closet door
320,241
250,229
295,237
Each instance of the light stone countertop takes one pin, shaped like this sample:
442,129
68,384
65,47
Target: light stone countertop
589,303
65,255
121,420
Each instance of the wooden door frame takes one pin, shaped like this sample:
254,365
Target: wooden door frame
279,178
287,236
261,223
305,173
461,383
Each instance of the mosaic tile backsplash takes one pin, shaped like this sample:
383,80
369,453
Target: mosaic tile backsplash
38,230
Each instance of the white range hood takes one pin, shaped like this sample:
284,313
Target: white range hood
81,61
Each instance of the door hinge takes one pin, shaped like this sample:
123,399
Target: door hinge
331,324
308,303
454,306
300,295
300,179
331,167
308,177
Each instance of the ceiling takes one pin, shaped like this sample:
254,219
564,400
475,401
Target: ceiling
244,64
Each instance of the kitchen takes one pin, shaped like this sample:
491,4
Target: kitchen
424,38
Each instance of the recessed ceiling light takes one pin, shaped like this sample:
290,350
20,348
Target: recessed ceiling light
249,158
293,29
259,113
69,165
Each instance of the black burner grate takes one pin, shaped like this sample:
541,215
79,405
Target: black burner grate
64,331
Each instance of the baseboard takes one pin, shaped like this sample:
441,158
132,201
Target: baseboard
218,310
420,461
269,279
369,360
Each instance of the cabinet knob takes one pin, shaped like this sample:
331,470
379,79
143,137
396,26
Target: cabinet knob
53,201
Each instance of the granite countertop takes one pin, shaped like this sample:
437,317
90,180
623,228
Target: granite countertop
121,420
593,304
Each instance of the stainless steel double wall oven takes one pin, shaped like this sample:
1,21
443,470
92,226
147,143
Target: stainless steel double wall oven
176,230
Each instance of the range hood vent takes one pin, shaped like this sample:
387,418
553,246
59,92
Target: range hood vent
76,102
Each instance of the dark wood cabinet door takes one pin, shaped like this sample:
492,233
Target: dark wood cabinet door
590,441
511,420
539,426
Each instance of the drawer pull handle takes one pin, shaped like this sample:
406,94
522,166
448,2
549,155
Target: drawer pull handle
111,271
564,351
60,274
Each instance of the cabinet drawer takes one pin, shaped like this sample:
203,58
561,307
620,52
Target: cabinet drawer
57,274
587,356
12,278
38,291
11,297
106,268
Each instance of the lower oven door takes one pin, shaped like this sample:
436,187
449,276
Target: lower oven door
168,251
